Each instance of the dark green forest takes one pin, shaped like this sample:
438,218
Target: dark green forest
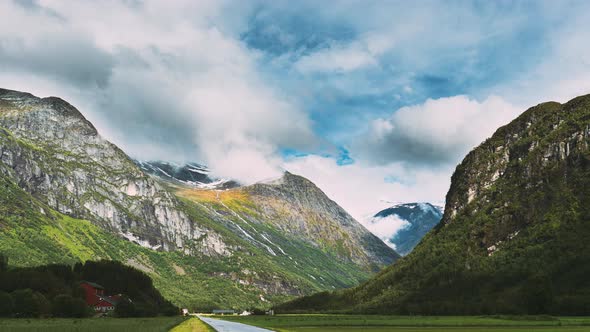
54,290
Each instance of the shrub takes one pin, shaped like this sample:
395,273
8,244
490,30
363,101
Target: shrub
6,305
67,306
125,308
29,304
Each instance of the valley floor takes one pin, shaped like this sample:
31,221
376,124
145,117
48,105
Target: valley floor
353,323
158,324
309,323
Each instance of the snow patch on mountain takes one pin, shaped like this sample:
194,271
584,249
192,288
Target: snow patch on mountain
402,226
190,174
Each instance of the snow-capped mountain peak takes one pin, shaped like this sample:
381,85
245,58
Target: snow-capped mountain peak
190,174
402,226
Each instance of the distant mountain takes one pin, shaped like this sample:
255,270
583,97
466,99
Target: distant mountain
514,235
307,213
68,195
190,174
417,220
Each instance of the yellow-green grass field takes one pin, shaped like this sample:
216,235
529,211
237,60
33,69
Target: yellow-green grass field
193,325
374,323
158,324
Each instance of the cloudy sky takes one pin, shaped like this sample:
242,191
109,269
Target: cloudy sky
375,101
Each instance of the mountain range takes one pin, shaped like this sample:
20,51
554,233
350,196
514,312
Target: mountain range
69,195
512,238
416,220
514,235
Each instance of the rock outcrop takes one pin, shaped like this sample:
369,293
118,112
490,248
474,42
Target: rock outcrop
53,152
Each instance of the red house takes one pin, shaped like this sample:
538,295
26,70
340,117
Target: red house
96,298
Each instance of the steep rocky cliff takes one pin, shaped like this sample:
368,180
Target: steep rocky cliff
62,160
68,195
514,235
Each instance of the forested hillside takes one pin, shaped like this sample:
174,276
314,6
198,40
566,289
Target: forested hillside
55,290
514,235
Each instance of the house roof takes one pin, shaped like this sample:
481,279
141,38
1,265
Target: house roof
93,284
108,299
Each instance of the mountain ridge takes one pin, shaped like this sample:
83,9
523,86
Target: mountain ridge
311,199
114,192
90,200
513,238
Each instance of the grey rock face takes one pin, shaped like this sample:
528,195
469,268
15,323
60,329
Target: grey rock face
306,212
53,152
523,140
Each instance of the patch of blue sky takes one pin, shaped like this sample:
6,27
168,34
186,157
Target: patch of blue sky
470,48
340,154
289,153
277,31
344,157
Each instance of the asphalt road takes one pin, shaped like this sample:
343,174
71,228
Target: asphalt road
225,326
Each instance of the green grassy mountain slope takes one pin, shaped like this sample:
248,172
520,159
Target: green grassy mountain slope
68,195
514,235
34,234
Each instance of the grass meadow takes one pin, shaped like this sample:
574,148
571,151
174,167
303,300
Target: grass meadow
370,323
157,324
193,325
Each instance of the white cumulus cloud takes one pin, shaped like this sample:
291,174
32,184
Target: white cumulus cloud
439,131
386,228
164,80
344,57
